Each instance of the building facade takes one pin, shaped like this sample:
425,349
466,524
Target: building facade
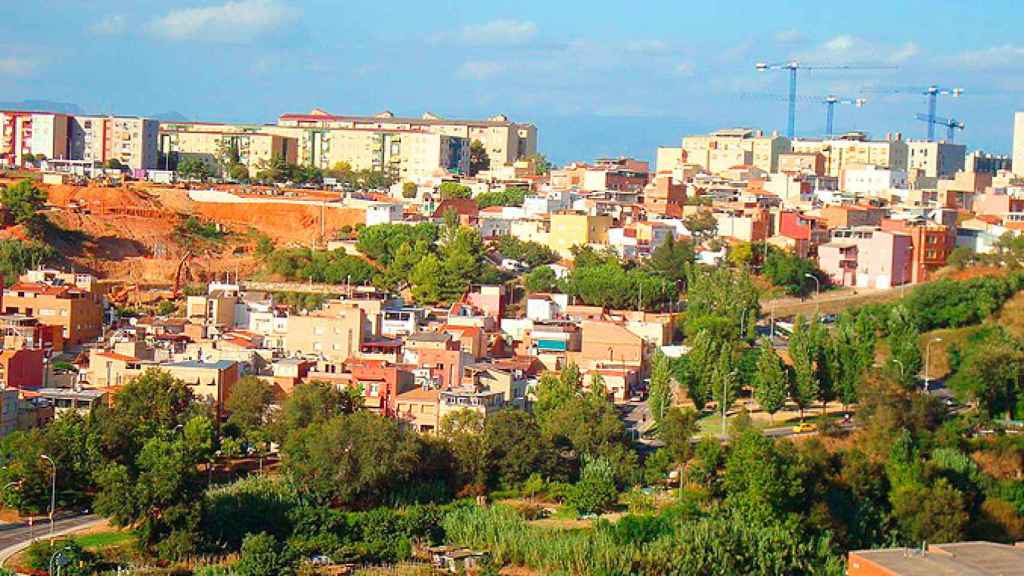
217,148
42,134
936,159
130,140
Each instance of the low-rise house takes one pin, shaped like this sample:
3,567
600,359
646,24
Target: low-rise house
209,381
419,408
66,400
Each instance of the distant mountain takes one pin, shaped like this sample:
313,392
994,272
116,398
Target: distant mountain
169,116
43,106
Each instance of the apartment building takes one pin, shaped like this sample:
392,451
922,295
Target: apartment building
932,244
872,180
802,163
209,382
936,159
504,140
855,150
334,336
42,134
217,147
724,149
130,140
867,257
570,229
75,306
665,197
1018,144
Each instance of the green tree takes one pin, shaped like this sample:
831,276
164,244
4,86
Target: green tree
672,260
660,396
771,381
463,430
249,404
803,349
261,555
929,514
790,272
960,257
426,277
515,448
408,190
532,254
761,483
541,166
990,374
238,172
351,458
455,190
541,279
23,200
676,430
478,158
702,226
194,168
595,492
506,197
723,302
553,391
113,164
904,351
314,402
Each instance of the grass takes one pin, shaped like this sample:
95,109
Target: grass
101,540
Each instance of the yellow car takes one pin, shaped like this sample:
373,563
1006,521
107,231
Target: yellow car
804,427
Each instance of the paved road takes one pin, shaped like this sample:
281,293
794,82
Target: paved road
15,536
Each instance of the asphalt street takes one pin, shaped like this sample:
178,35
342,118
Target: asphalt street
13,535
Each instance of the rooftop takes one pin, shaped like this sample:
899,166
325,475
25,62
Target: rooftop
218,365
962,558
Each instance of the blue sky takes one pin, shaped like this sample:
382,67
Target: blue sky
596,77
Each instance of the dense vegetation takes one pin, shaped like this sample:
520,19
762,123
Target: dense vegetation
506,197
17,256
331,267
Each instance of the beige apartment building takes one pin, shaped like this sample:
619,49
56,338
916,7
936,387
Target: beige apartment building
504,140
333,336
936,159
855,150
570,229
723,149
37,133
67,300
217,148
130,140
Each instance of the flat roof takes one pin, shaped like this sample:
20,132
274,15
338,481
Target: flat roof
218,365
961,558
68,394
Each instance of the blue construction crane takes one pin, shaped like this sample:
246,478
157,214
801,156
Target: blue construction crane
951,124
792,66
830,104
932,92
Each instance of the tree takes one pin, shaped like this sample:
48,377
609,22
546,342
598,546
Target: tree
790,272
409,190
990,374
960,257
702,225
848,354
314,402
532,254
660,395
463,431
541,166
595,492
194,168
723,302
455,190
515,448
676,430
771,381
426,277
261,555
113,164
350,458
478,158
761,483
929,514
803,349
249,404
555,391
238,172
23,200
904,351
541,279
723,381
672,260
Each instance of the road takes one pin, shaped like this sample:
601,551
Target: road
16,536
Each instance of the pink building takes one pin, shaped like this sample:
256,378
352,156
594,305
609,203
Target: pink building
997,204
808,232
867,258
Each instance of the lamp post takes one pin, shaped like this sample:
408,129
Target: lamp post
927,361
817,290
725,394
900,362
53,491
59,560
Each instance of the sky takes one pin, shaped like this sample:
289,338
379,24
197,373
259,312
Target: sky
597,78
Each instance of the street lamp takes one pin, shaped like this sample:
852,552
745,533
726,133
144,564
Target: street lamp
817,290
53,491
902,368
725,393
59,559
927,361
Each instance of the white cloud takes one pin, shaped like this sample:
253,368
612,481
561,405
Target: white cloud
229,22
789,36
849,49
684,69
16,66
1005,56
480,69
494,33
109,25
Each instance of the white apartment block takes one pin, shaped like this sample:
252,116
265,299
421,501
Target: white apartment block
128,139
872,180
723,149
856,151
936,159
38,133
217,144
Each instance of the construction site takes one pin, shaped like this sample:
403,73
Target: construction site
130,235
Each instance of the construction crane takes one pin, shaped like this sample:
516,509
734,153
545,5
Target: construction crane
951,124
829,101
830,104
932,92
792,66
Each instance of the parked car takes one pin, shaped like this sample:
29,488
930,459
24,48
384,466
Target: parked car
804,427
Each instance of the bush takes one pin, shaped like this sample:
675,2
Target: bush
595,492
79,561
